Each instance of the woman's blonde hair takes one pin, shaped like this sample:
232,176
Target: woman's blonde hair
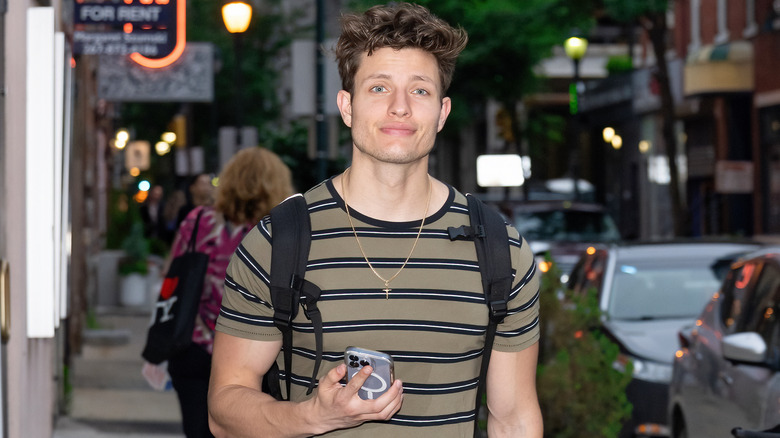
252,183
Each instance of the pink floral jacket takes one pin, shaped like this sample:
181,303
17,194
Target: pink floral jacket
219,239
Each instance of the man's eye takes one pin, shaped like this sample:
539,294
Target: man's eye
378,89
420,91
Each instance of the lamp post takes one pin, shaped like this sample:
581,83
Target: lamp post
575,48
236,16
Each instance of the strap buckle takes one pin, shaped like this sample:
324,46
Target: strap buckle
498,310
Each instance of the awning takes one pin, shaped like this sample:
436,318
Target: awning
721,68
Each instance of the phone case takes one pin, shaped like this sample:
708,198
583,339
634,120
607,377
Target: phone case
381,378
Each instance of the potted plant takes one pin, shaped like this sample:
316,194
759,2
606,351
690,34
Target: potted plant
133,267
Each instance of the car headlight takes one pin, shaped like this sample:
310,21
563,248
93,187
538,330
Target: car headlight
646,370
652,371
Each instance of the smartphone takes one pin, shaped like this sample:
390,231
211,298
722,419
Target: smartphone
381,378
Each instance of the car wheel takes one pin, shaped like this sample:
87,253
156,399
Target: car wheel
678,428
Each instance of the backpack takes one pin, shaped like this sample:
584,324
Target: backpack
290,291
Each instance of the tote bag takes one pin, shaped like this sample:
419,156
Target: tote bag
173,320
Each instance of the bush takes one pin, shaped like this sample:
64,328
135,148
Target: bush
580,393
136,248
619,64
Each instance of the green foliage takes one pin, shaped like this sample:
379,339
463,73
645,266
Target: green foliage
91,320
136,248
580,392
287,144
627,11
619,64
123,212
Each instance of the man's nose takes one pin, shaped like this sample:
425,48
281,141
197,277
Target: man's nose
399,105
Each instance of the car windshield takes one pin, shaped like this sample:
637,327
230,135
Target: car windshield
642,291
567,226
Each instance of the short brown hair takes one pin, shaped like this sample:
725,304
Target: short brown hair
398,26
252,183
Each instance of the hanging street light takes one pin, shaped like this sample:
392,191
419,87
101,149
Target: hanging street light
237,16
575,48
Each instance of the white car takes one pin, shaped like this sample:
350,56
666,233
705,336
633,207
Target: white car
727,371
647,292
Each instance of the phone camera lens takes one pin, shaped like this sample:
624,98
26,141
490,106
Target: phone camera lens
354,364
352,357
365,363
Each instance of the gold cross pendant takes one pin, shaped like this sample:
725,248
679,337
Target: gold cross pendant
387,292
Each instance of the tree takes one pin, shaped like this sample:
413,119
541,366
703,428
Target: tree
651,15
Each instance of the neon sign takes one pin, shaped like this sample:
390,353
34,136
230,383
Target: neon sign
152,32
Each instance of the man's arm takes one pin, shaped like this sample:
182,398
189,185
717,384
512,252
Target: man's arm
239,408
513,406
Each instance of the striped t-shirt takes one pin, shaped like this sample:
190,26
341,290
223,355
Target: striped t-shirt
433,324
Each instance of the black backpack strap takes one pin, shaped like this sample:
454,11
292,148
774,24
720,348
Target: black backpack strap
291,228
489,233
194,235
495,264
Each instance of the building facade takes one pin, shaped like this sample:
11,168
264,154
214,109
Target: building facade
33,75
733,138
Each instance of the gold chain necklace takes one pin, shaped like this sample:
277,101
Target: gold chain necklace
387,288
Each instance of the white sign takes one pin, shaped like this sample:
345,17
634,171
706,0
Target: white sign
137,155
500,170
734,177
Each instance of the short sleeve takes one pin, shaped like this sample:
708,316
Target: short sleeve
520,328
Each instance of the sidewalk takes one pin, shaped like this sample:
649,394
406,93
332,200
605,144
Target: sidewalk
110,397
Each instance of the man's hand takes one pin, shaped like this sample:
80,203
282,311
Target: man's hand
341,407
238,408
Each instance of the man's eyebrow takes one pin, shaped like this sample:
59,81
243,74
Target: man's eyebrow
423,78
376,76
387,76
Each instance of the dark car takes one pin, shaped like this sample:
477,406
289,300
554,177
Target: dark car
647,292
727,371
562,228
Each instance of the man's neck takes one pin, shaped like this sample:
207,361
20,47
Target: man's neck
392,193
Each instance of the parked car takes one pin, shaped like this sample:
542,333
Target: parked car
562,228
727,371
647,292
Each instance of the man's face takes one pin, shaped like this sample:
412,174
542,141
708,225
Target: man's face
396,108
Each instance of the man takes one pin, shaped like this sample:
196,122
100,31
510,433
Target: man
152,213
391,279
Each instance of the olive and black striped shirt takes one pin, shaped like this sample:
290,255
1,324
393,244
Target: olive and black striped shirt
433,324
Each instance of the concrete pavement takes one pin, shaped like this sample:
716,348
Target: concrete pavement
110,398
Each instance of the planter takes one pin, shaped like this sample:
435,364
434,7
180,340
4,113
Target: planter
133,290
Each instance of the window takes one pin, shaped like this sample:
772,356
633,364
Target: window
736,292
751,27
762,314
695,26
723,26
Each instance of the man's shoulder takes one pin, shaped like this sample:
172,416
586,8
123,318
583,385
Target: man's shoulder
319,193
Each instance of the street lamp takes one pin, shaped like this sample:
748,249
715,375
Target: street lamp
575,48
236,16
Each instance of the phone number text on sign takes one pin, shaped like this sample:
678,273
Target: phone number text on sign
111,43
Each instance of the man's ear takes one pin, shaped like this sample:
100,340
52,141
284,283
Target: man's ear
344,101
446,106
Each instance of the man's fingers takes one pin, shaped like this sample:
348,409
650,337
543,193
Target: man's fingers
336,374
357,381
396,396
